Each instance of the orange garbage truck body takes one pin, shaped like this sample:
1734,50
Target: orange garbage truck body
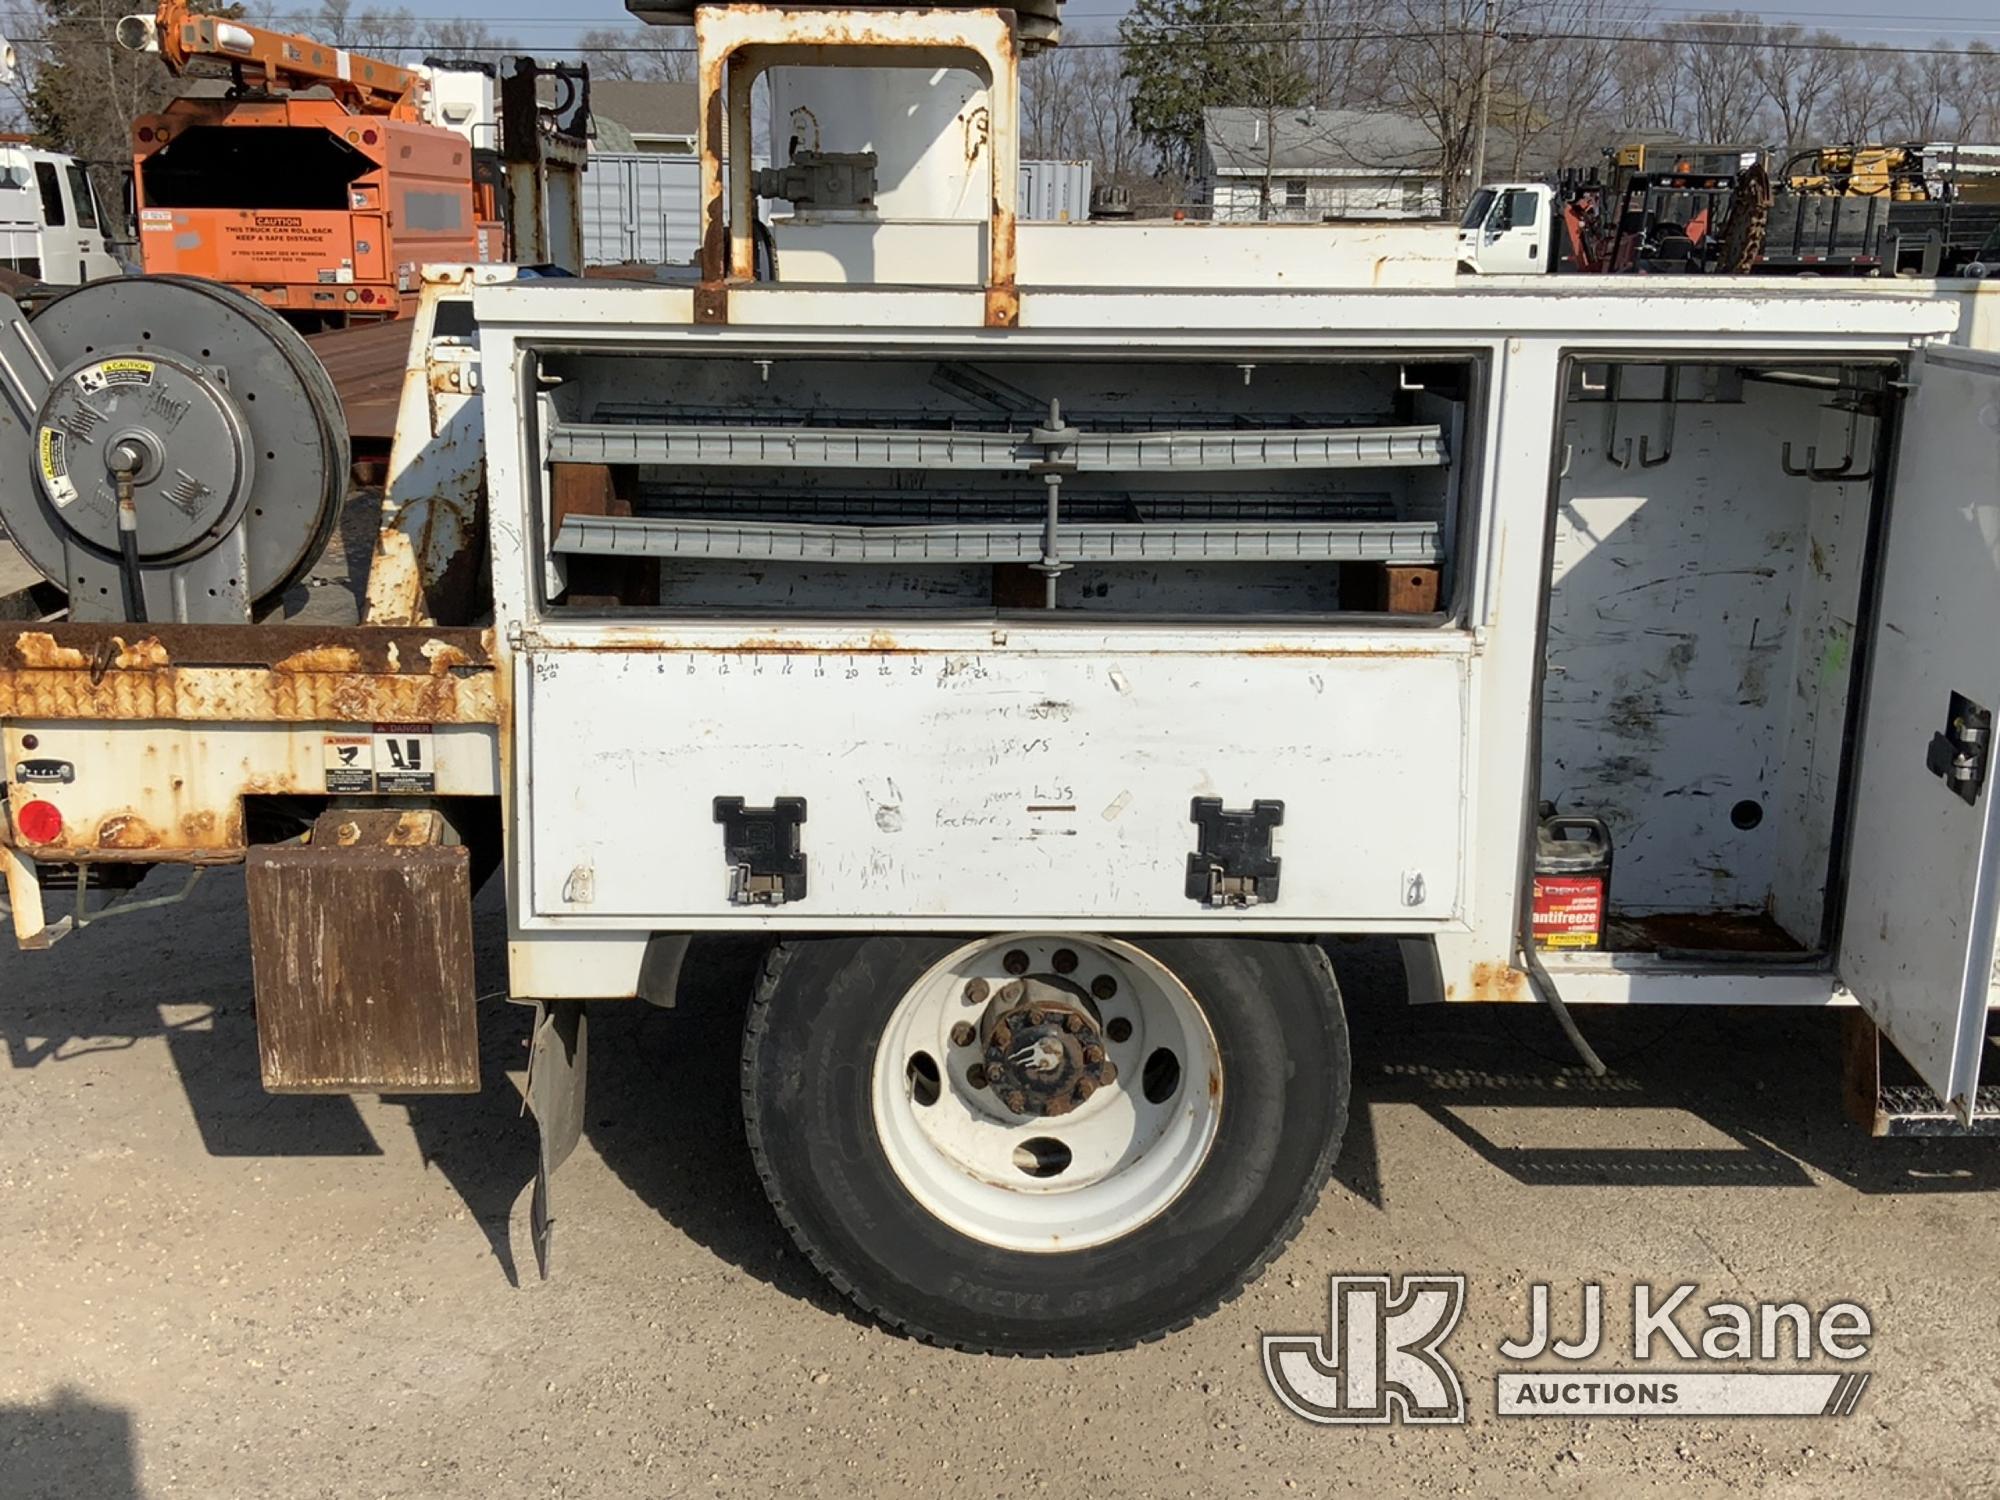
321,214
317,181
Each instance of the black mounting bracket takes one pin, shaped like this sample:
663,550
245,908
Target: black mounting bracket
761,847
1959,754
1234,865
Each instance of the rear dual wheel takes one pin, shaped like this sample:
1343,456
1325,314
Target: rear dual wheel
1035,1144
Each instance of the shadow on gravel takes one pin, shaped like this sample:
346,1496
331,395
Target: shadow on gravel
66,1446
663,1110
1766,1079
665,1114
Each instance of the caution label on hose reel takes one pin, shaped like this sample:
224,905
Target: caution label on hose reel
52,450
109,372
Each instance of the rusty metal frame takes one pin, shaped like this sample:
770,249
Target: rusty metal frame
248,674
736,44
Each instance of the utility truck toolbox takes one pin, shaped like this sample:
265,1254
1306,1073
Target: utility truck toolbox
1038,674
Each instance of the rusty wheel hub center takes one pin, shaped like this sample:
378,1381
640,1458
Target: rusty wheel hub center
1044,1052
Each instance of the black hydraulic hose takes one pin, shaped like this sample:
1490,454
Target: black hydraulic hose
129,576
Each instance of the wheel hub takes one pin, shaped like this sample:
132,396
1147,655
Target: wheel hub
1045,1053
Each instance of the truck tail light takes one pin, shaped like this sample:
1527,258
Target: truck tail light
39,822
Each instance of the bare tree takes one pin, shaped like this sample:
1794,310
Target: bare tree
1718,75
1556,91
1930,92
1861,102
650,56
1433,74
1797,74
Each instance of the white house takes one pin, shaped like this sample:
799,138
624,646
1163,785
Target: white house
1317,164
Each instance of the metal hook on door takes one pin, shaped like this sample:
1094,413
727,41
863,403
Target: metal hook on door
1621,453
1844,470
1614,379
1671,394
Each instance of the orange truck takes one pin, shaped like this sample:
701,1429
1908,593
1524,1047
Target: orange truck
316,180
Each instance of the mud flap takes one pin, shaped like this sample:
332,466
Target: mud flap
361,946
556,1067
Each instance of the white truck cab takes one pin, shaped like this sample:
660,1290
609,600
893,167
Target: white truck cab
51,227
1505,230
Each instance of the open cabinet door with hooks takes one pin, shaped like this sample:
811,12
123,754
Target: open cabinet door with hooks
1917,941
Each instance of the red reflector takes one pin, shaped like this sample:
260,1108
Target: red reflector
368,138
145,132
367,295
39,822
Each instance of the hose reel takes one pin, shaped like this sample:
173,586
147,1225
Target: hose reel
169,450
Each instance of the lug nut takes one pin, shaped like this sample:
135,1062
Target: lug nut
1063,961
1016,961
1093,1054
1010,992
1107,1071
1062,1104
975,1076
962,1034
1119,1028
977,991
1072,1022
1002,1038
1037,1016
1016,1101
1104,986
1085,1087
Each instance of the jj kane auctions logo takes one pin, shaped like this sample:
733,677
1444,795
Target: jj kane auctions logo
1382,1357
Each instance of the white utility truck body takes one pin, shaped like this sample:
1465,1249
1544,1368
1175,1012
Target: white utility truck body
1040,669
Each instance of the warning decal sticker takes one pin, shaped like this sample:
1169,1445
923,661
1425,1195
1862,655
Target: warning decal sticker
108,372
350,762
404,760
51,450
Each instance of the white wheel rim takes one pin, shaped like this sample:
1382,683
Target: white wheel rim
1118,1158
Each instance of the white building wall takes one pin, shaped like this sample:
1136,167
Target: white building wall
1327,196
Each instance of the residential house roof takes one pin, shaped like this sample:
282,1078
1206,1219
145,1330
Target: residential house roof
1248,141
646,107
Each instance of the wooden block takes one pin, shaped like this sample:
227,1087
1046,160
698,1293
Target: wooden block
1410,591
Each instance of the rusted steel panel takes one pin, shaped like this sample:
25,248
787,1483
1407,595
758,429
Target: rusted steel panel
243,694
353,648
362,955
365,363
287,673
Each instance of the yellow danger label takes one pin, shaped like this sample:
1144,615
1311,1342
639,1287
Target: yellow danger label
52,451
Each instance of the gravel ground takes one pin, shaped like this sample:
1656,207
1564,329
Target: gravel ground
209,1292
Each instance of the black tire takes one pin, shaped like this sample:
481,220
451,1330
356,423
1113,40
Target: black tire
808,1056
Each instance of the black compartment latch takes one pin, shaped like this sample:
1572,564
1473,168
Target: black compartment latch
761,847
1958,754
1234,865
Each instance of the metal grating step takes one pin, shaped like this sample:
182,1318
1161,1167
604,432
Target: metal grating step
1338,541
1912,1109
